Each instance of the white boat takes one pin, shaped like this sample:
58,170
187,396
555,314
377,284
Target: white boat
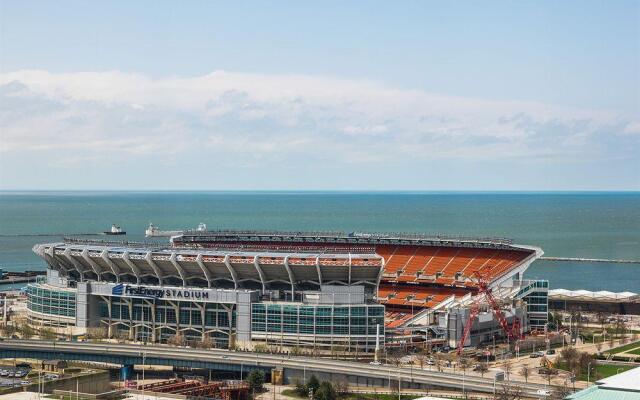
115,230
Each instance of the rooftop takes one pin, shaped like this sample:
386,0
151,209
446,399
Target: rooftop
624,386
355,236
586,295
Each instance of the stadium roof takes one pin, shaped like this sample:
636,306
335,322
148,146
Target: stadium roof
205,267
586,295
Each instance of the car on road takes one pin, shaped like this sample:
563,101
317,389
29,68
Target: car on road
25,382
431,362
551,351
537,354
543,392
375,363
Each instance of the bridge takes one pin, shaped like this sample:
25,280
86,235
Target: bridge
294,368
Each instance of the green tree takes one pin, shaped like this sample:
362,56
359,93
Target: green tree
313,384
326,391
255,379
301,389
27,331
47,333
8,330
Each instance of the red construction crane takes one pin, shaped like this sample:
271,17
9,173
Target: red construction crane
512,332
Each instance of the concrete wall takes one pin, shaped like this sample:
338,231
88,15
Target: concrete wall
292,376
88,383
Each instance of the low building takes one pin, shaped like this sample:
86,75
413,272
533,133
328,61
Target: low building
53,365
587,301
624,386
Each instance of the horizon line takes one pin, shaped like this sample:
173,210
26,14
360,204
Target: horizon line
381,191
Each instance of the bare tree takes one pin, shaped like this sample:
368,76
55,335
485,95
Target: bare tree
559,393
464,364
438,361
598,346
482,368
421,358
177,340
97,333
602,319
509,392
394,358
507,368
525,373
570,356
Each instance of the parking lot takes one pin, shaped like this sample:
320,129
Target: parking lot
18,375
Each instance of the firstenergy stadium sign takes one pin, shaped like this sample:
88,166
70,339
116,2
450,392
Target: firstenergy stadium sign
125,290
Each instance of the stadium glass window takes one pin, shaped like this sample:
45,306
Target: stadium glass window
124,312
341,330
309,321
104,310
185,317
274,308
341,311
307,329
223,319
196,317
287,328
171,316
323,311
340,321
160,315
324,330
358,330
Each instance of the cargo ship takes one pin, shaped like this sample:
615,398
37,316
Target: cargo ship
115,230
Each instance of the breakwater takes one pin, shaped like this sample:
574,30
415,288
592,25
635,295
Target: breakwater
590,260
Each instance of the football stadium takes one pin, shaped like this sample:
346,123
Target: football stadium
319,290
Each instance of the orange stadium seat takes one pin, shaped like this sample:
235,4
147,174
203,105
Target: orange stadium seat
440,260
420,258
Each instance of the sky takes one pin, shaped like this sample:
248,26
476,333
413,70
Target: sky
424,95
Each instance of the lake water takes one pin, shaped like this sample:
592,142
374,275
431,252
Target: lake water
591,225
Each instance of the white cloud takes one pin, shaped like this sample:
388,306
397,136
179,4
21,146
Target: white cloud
252,118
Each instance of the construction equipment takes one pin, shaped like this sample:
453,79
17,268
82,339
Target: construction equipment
545,362
512,332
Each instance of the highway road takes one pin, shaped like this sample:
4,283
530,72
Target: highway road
310,365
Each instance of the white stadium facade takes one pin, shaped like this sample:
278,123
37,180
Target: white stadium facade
319,290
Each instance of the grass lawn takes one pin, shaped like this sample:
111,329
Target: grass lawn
603,371
624,348
292,393
636,351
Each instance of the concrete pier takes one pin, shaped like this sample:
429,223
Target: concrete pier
591,260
